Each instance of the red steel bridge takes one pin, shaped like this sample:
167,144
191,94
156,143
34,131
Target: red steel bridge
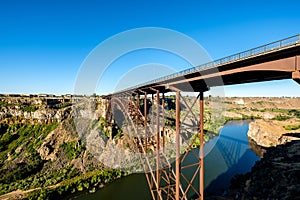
273,61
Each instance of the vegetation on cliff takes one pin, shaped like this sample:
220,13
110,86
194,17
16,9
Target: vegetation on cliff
89,181
41,155
18,162
41,151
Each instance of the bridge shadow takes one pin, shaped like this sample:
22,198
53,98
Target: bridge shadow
278,169
216,187
287,158
230,156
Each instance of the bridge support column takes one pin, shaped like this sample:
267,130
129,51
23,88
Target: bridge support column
178,159
152,112
157,145
179,181
201,129
163,121
138,108
145,120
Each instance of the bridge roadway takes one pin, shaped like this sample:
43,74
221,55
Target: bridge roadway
273,61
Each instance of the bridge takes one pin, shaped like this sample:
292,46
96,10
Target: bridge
274,61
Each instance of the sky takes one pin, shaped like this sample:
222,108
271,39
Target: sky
44,43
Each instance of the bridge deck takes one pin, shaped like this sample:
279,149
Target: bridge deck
274,61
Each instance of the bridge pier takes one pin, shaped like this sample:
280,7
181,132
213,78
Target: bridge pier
157,144
163,121
166,181
201,128
178,159
145,120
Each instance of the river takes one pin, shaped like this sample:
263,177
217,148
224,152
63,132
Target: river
225,156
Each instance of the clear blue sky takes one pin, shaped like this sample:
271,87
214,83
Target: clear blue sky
44,42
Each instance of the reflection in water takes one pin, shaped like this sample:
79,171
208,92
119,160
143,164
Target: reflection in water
231,155
225,155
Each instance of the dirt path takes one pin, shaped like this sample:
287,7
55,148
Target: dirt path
18,194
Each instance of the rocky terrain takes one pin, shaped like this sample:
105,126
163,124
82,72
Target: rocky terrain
276,128
272,118
268,133
41,147
276,176
45,146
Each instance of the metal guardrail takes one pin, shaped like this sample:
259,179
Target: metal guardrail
267,48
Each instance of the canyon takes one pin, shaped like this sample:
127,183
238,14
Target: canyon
41,133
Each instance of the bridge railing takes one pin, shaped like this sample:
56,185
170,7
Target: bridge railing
267,48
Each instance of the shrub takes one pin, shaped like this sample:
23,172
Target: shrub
291,127
64,105
281,117
71,150
3,128
294,112
29,108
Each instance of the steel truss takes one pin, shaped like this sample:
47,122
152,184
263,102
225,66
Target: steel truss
166,180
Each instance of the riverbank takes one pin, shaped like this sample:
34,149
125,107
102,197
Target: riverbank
90,182
275,176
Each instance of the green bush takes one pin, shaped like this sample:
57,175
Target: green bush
279,110
6,139
281,118
64,105
3,104
291,127
295,112
29,108
3,128
79,183
24,174
71,149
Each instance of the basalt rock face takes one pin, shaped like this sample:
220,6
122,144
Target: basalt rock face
34,110
265,133
45,109
38,113
268,133
276,176
50,145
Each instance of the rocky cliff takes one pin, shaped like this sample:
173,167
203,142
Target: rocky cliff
45,109
267,133
276,176
39,141
272,118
